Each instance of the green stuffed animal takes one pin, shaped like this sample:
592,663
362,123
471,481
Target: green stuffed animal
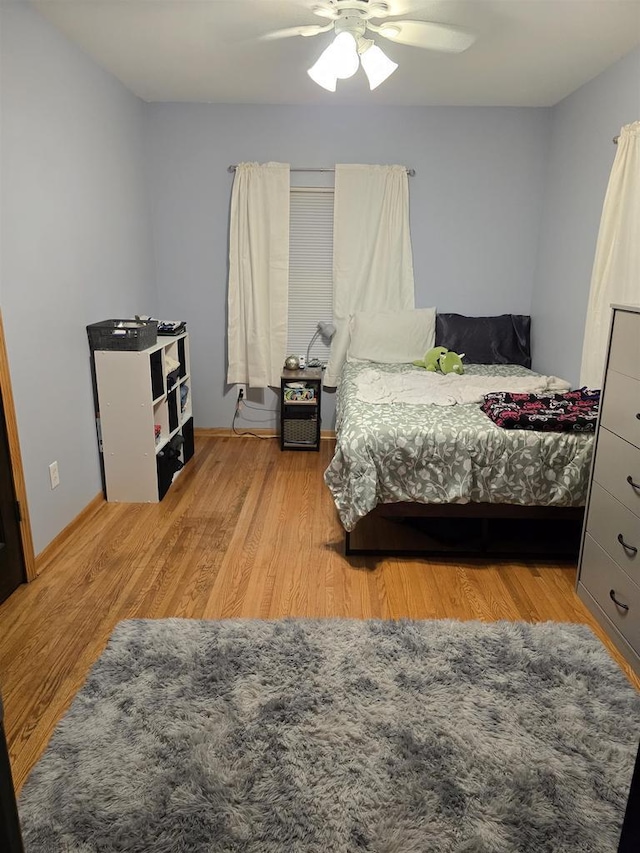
443,360
431,359
451,362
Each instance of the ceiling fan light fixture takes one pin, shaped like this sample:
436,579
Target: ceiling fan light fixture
351,21
377,66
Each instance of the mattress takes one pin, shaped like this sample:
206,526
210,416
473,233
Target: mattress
425,453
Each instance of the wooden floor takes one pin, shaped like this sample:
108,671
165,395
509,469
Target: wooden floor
246,531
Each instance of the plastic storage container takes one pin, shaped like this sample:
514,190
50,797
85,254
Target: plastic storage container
123,334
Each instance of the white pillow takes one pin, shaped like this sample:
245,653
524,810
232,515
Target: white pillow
394,337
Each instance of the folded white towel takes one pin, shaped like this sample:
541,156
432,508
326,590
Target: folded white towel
422,386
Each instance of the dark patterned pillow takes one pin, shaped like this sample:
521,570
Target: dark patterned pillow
505,339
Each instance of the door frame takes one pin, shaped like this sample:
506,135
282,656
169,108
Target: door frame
16,460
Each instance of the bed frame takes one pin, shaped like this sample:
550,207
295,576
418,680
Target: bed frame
473,529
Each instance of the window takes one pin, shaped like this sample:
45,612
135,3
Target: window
310,268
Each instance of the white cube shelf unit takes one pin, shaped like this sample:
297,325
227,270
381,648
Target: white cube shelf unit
145,417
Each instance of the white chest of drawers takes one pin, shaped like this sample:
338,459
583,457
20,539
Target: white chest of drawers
609,568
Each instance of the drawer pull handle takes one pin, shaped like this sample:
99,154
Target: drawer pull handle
612,596
625,545
632,484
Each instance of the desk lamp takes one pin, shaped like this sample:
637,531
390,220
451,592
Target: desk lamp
325,330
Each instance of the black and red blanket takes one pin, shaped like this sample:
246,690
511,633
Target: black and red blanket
573,411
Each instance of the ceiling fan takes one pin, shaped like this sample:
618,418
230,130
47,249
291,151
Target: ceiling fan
351,20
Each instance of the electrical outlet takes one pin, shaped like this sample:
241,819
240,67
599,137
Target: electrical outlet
241,393
54,475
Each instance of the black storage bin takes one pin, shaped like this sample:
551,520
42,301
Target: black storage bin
172,405
182,358
123,334
157,380
300,425
166,470
187,432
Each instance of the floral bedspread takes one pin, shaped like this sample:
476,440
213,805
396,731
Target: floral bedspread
393,452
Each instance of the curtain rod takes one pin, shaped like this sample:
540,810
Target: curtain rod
410,172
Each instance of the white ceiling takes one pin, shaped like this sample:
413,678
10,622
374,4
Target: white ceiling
528,52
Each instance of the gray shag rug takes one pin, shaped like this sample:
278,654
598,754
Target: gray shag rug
319,736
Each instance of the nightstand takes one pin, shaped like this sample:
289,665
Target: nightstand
300,399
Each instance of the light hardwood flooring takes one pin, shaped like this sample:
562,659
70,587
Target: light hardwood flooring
246,531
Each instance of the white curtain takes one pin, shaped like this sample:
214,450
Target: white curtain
258,274
616,268
372,259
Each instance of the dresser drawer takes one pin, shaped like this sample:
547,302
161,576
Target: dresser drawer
602,578
621,406
616,461
625,344
610,524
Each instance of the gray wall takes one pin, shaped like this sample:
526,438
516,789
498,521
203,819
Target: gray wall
475,208
75,248
580,157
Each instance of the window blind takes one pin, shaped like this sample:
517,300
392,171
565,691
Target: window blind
310,268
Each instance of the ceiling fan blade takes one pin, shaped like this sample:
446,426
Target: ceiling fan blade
308,30
427,34
325,9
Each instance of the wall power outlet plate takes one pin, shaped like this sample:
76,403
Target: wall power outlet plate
54,475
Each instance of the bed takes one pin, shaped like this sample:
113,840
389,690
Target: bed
406,459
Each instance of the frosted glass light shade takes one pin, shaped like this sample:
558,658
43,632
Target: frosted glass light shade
338,61
344,56
377,66
321,74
